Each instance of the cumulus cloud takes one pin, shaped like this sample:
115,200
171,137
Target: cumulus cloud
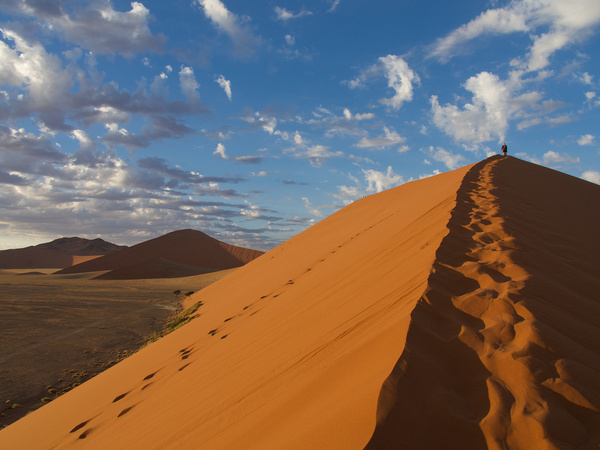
244,41
494,104
220,151
593,176
400,78
450,160
562,24
358,117
263,121
225,85
379,181
189,85
586,139
555,159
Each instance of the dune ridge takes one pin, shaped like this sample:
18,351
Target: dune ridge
459,311
486,363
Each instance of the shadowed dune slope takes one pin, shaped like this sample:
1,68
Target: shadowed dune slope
186,247
60,253
289,351
459,311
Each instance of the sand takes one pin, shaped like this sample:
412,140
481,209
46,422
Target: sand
459,311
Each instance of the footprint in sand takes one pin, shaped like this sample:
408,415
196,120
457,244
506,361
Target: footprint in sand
119,397
79,427
125,411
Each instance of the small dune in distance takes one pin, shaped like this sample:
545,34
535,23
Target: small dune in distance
460,311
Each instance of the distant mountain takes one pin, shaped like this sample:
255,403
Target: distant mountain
60,253
184,248
82,247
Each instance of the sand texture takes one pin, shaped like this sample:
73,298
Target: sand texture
160,257
458,311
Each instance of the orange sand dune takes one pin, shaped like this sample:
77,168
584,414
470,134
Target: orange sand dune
459,311
185,247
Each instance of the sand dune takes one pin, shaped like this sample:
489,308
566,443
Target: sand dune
459,311
60,253
182,247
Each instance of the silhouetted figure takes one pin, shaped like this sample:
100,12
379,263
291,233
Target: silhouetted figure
504,149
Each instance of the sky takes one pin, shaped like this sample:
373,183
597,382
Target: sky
253,120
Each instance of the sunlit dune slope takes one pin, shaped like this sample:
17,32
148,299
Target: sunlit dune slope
459,311
290,350
185,247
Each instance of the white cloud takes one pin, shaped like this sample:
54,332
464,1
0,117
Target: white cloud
98,26
593,176
189,85
400,78
379,181
244,41
586,78
220,151
450,160
317,155
284,15
586,139
311,209
348,193
555,159
334,5
427,175
225,84
481,120
85,141
358,117
29,65
495,21
390,137
563,23
494,103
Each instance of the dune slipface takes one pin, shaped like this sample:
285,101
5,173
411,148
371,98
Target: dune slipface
459,311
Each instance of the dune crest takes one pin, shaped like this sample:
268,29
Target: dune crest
492,357
432,315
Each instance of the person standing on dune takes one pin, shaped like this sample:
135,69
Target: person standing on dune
504,149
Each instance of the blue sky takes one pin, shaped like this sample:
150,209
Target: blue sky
253,120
